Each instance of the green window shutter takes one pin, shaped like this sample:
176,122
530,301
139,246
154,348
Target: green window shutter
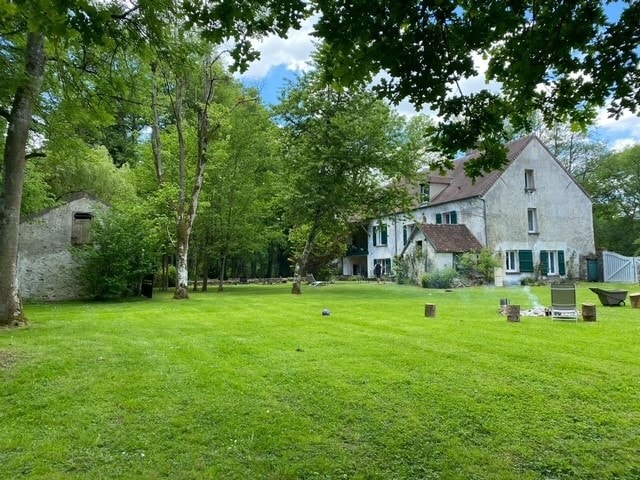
404,234
525,259
375,236
561,268
383,235
438,218
454,217
544,262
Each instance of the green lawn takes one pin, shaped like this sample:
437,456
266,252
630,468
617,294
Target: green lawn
255,383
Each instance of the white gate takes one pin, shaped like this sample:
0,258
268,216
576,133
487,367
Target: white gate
618,268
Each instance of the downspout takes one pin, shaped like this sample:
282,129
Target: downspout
395,235
484,218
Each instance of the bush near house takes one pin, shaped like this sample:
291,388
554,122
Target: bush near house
443,278
482,262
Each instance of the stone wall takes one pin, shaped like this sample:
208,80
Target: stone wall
47,270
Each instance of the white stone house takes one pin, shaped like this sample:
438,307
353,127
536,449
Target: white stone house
47,269
532,214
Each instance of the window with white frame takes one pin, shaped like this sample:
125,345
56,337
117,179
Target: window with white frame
449,218
549,259
532,219
511,261
552,262
379,235
529,183
385,263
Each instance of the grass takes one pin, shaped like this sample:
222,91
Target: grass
255,383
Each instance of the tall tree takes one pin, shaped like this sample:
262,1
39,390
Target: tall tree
343,150
190,77
565,59
614,184
577,150
242,177
27,28
68,31
18,123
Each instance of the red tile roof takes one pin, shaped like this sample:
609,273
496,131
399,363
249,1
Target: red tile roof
463,187
447,238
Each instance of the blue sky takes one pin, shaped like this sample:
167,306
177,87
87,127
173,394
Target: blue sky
284,59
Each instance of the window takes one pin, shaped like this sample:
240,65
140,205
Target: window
529,184
81,228
379,235
457,261
406,232
386,265
532,219
424,193
552,262
449,218
511,261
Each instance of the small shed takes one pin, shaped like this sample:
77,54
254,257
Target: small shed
442,244
47,269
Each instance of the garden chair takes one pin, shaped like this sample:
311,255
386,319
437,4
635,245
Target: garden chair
563,302
311,280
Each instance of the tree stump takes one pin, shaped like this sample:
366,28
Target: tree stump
589,312
513,313
635,300
429,309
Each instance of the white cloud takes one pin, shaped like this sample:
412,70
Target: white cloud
623,143
294,52
620,133
479,82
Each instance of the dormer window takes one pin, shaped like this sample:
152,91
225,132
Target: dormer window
447,218
424,193
529,183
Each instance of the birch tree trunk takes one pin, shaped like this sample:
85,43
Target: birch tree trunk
156,145
184,223
187,213
19,123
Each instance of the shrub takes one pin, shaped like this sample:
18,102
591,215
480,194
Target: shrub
401,270
124,251
439,278
483,262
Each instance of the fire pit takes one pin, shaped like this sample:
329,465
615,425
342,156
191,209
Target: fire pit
537,311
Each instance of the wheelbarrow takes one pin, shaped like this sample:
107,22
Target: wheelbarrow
610,298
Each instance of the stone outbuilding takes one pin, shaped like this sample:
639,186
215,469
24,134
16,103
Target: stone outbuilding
47,268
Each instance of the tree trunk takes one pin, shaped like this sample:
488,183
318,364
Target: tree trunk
182,266
184,222
301,264
19,123
165,272
223,269
187,218
156,145
195,270
205,274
